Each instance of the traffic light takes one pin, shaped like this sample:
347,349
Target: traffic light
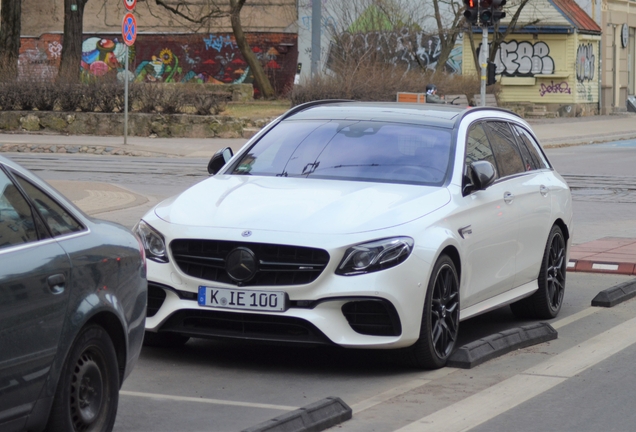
497,10
490,75
485,12
471,13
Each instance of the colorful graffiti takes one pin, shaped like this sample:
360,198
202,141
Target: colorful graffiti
411,49
562,88
211,58
585,60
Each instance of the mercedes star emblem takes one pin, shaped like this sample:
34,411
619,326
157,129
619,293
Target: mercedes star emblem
241,264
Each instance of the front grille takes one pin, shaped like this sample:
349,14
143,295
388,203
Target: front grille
156,297
246,326
373,317
277,264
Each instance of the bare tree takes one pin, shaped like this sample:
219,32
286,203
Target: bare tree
447,31
73,38
499,36
267,91
10,17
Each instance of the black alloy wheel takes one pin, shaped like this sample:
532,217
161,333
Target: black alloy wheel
445,311
440,319
546,302
87,393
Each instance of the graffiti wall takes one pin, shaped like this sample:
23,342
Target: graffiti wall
40,58
406,48
192,58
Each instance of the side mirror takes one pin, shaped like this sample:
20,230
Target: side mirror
481,174
219,160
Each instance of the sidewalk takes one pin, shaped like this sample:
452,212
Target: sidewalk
551,132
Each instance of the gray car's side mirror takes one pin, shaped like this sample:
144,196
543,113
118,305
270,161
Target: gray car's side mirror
219,160
480,175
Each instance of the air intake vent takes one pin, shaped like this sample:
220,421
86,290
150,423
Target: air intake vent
373,317
156,297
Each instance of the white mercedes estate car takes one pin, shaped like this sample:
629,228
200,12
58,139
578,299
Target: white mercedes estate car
365,225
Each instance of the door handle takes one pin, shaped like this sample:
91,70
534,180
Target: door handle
56,283
544,190
508,197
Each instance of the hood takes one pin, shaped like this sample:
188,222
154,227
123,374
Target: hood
299,204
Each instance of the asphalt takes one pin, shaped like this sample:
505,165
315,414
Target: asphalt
608,255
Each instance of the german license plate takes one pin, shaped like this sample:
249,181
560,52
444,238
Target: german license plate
242,299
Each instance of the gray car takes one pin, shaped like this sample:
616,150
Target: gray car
73,294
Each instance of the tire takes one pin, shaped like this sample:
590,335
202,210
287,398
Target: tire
87,393
164,340
546,302
440,318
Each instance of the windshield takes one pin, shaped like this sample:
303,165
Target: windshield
351,150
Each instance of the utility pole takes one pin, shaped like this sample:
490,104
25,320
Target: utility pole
316,22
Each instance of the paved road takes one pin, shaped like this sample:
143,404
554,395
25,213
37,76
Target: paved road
213,386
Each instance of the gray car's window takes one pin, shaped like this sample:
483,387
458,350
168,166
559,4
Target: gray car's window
351,150
525,140
59,221
478,147
505,149
16,220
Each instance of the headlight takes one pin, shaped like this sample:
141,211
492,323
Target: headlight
375,256
153,242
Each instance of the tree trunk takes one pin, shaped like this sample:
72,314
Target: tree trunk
10,21
260,77
72,42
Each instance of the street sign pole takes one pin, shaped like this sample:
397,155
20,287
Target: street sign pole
484,62
129,33
126,98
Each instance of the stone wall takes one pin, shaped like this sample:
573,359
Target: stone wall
139,124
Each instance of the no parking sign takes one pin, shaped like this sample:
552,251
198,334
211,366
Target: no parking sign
130,4
129,29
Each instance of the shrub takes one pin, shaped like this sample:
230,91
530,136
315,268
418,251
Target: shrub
45,95
381,82
205,103
171,100
70,97
148,97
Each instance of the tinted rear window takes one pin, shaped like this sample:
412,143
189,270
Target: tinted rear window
351,150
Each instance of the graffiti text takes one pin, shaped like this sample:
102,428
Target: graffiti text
218,42
562,87
585,63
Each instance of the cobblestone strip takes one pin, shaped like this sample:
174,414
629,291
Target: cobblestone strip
87,149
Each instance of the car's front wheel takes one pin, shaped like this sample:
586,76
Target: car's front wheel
546,302
88,390
440,318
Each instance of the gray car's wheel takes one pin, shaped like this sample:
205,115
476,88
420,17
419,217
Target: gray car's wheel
546,302
164,340
87,393
440,319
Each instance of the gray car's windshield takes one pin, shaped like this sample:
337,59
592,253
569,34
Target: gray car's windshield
351,150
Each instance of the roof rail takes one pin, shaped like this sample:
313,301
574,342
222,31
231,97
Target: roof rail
302,107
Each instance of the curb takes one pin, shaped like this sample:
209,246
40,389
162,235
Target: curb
315,417
615,295
74,149
589,266
498,344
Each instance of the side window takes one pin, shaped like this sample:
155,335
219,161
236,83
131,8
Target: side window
478,147
526,141
505,149
59,220
16,220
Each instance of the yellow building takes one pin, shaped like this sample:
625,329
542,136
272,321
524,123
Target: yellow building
550,62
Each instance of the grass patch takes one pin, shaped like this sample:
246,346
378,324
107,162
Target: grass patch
257,109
